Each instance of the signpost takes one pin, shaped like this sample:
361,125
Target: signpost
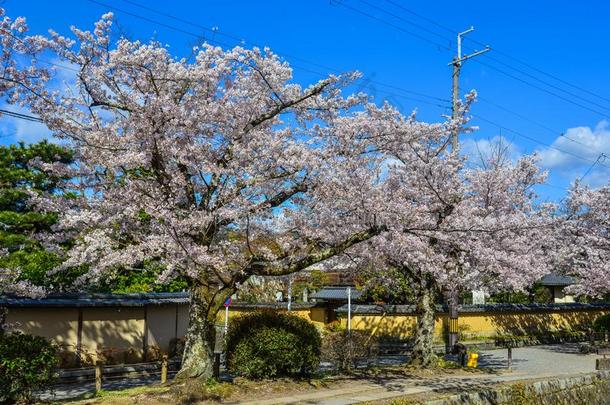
227,304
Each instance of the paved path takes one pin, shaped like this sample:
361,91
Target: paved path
531,362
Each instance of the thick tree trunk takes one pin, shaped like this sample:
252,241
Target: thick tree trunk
423,353
198,357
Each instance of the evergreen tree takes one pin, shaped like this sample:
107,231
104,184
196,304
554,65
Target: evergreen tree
19,222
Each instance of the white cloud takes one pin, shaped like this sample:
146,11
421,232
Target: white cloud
581,141
483,149
573,153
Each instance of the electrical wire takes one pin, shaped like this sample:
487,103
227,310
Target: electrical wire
22,116
397,27
564,98
242,40
530,120
536,141
560,96
499,52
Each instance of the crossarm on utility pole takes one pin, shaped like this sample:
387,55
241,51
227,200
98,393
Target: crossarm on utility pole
457,65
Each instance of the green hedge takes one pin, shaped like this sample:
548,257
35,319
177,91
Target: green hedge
602,323
268,344
27,363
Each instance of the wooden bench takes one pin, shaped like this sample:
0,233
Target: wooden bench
394,348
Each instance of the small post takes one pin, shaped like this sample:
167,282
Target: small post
510,358
606,336
289,306
349,311
226,319
349,327
591,338
164,369
98,376
216,369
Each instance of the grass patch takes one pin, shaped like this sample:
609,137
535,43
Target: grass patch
195,391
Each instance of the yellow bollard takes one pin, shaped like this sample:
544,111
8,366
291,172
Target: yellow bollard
473,360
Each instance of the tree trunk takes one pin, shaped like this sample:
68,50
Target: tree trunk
423,353
198,357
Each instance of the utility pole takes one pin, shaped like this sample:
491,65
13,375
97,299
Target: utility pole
457,65
452,295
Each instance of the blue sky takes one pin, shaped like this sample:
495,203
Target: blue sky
383,39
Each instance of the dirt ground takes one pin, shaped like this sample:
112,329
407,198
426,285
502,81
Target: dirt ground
243,390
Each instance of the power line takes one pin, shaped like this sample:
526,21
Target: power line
560,96
546,84
496,51
421,27
399,28
536,141
541,125
22,116
32,118
552,76
602,157
564,98
431,21
235,37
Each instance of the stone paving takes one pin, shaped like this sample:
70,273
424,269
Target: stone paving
528,362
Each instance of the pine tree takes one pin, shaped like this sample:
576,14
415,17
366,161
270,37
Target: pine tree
20,224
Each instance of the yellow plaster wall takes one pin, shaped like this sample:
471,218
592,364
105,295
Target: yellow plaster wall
315,315
481,324
116,328
123,328
531,323
161,322
60,325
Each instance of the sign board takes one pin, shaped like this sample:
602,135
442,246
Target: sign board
228,302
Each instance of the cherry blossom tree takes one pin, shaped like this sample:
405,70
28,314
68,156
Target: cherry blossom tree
222,168
470,226
584,240
219,169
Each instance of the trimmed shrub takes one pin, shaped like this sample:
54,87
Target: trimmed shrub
27,363
267,344
602,323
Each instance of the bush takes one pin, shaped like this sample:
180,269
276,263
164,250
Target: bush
267,344
602,323
343,350
27,363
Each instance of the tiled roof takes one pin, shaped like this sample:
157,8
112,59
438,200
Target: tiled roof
558,280
96,300
336,293
127,300
410,309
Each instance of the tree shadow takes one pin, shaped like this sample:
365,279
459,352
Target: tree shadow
541,323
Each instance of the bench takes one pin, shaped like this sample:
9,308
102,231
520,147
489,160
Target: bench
394,348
